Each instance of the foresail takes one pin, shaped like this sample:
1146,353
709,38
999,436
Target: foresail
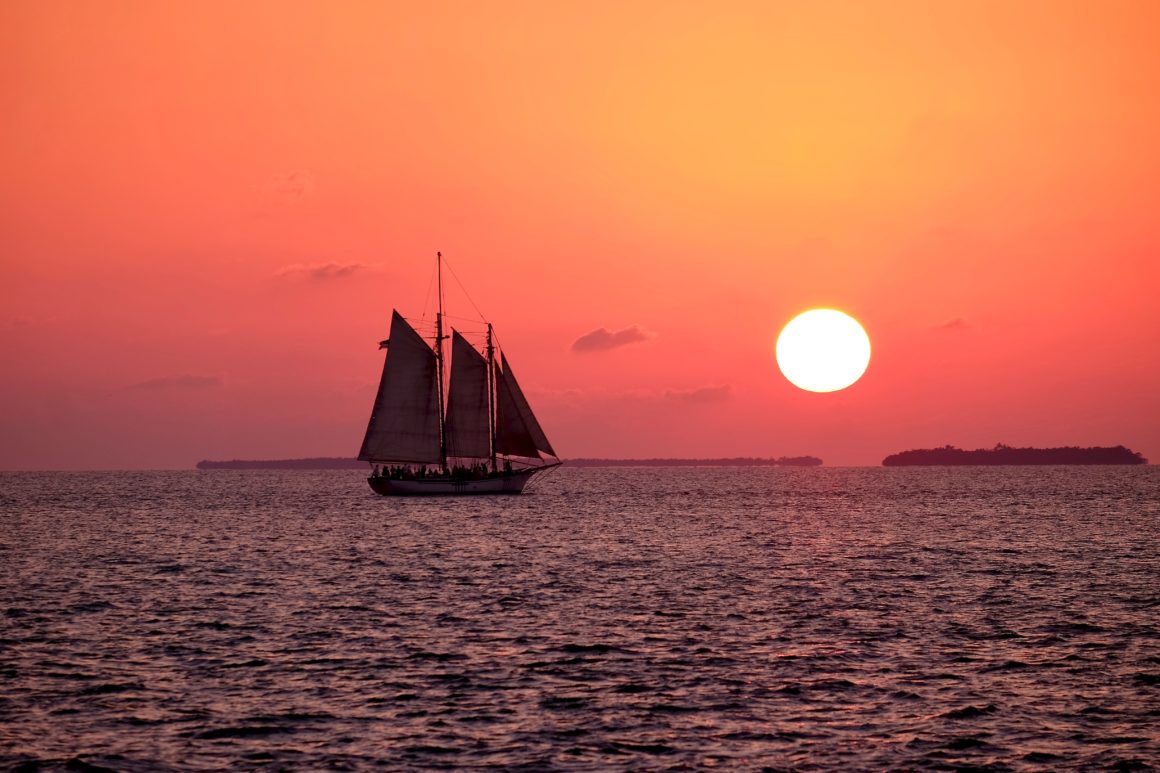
517,431
467,428
404,423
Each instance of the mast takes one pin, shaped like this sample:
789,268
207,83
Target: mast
491,394
439,364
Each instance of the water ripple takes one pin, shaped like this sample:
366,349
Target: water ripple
941,619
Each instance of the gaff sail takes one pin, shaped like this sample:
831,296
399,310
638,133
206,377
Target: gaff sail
517,431
467,427
404,424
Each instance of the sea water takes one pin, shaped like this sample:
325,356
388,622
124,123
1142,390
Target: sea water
643,618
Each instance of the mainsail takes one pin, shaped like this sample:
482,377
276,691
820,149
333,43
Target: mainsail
404,425
467,428
517,431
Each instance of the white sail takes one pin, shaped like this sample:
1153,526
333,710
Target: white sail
404,425
467,428
517,431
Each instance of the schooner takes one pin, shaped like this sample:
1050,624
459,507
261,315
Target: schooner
477,436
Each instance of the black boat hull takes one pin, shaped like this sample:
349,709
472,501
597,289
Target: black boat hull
495,484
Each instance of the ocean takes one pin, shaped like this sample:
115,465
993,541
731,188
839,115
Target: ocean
613,618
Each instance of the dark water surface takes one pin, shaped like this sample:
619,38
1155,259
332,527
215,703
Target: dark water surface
802,619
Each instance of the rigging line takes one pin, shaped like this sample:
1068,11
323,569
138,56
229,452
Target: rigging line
427,297
498,347
531,485
464,289
421,325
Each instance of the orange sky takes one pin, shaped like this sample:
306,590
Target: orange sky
208,210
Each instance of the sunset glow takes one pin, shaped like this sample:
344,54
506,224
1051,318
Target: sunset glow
209,210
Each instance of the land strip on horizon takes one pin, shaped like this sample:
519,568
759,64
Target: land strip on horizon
343,463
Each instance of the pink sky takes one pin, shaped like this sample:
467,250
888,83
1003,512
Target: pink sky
208,211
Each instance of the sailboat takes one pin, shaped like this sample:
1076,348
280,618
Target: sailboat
479,436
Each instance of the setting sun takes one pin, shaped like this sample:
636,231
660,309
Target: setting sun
823,350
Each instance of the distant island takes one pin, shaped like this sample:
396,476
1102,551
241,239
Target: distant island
1006,455
313,463
736,461
342,463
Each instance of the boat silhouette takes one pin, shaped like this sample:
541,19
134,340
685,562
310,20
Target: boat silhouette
477,436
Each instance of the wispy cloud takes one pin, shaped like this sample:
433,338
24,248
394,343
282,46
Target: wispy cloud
603,339
705,394
958,323
178,382
293,185
321,272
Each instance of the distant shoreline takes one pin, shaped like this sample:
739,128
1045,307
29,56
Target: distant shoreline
341,463
1002,455
950,456
312,463
739,461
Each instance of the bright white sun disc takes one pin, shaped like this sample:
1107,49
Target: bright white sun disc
823,350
